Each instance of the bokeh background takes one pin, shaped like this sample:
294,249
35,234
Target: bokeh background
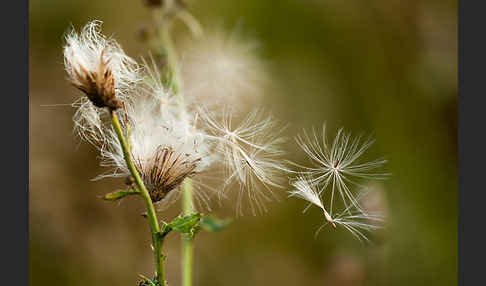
382,67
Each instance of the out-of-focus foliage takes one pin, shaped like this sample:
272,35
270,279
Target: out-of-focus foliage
386,67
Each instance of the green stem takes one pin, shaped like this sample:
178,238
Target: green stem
163,26
151,215
164,46
187,241
172,66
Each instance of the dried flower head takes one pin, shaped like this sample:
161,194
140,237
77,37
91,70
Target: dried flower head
165,149
166,171
251,155
98,66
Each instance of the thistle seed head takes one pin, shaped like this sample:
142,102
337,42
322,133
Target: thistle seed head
99,86
165,145
165,171
98,66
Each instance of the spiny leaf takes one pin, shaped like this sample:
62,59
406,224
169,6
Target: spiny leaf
119,194
212,223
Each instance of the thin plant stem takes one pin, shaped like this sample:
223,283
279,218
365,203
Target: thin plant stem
157,240
187,240
172,65
164,46
187,192
163,26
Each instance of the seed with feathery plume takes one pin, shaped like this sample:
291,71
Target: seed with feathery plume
354,220
304,190
98,66
251,154
358,223
338,164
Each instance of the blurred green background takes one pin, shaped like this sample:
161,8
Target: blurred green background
382,67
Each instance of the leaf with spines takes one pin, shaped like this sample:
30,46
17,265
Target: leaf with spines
213,224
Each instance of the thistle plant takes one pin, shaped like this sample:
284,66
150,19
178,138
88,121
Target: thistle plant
165,141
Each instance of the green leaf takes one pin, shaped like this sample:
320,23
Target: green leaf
212,224
186,224
119,194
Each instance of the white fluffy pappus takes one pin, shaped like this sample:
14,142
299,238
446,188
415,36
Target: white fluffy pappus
87,49
154,88
165,149
302,189
221,68
165,143
251,155
338,165
358,222
89,59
